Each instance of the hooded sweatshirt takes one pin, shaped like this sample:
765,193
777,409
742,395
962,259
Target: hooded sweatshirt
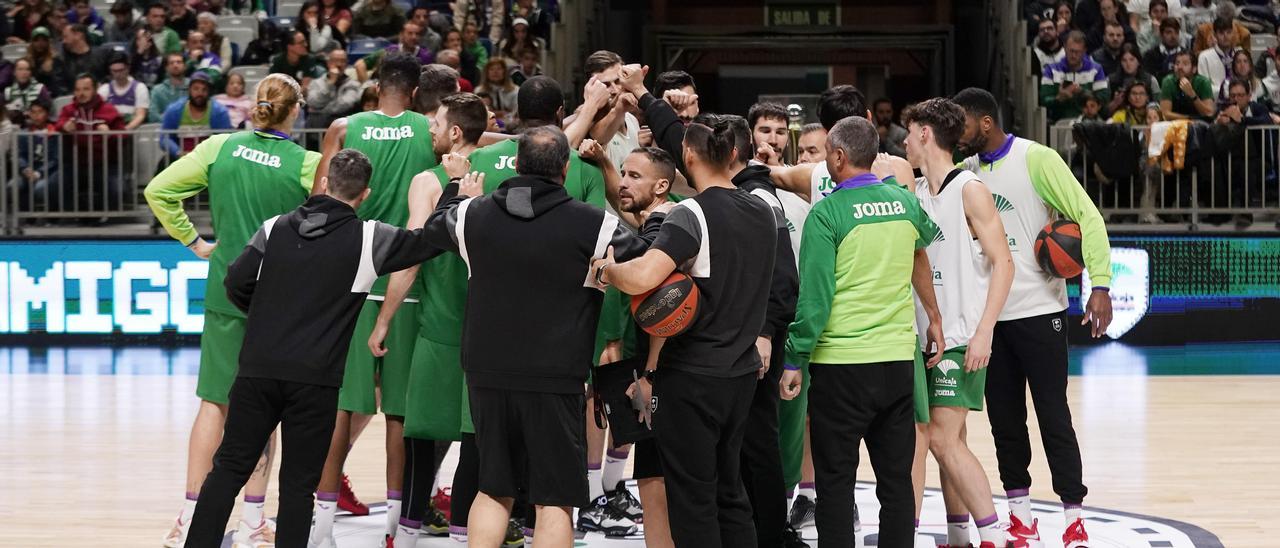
532,302
785,285
78,118
302,280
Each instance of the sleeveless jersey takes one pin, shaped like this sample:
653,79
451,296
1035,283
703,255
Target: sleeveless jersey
253,177
584,181
442,284
1024,213
796,210
961,272
399,147
820,183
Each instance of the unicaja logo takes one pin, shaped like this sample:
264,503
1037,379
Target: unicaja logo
878,209
387,133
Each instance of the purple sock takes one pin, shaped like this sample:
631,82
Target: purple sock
807,485
255,500
326,496
1070,506
981,522
616,454
457,530
1017,493
528,532
395,495
917,524
957,518
595,466
193,495
410,523
791,492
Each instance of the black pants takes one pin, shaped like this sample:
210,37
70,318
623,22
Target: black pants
306,414
466,481
849,404
699,424
1033,351
762,457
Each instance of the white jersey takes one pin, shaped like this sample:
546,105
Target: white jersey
820,183
796,211
626,140
1024,213
961,271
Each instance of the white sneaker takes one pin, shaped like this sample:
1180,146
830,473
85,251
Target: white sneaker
248,536
323,543
177,536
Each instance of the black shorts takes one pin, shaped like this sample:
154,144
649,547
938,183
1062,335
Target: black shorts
648,462
534,437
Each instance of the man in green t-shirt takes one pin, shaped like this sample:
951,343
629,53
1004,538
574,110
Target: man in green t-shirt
1186,94
861,254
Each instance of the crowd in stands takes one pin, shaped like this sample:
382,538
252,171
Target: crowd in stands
165,63
1190,69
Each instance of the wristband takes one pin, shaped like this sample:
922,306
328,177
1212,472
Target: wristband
600,273
649,374
193,243
455,179
1102,288
790,367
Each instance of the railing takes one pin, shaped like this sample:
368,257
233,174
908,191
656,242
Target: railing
1227,181
92,177
1029,118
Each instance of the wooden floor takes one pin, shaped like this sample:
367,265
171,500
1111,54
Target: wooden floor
98,460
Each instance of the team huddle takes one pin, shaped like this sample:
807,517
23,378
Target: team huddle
475,288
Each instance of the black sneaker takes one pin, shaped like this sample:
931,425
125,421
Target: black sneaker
602,517
515,534
626,503
802,513
791,538
434,524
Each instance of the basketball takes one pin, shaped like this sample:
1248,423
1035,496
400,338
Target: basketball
1058,249
669,309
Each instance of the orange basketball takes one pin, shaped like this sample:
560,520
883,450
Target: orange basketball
1058,249
669,309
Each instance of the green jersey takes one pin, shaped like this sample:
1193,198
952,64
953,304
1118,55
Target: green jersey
584,181
258,176
399,147
442,283
856,259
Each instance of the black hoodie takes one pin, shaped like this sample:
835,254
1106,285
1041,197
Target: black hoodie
784,288
532,304
302,280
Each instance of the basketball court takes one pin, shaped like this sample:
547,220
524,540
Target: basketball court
1177,443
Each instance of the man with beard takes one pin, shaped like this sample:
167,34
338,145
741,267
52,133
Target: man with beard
1048,48
195,115
891,134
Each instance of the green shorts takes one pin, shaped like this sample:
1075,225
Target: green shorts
951,386
920,391
791,421
219,356
433,410
467,426
365,373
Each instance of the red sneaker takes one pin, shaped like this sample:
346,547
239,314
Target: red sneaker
347,499
1022,536
441,501
1075,536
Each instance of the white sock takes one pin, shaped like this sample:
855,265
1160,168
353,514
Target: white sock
393,512
1020,507
252,510
807,490
1071,512
406,537
958,531
326,507
615,465
991,531
188,510
593,480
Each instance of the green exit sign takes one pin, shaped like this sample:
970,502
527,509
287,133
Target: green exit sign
802,15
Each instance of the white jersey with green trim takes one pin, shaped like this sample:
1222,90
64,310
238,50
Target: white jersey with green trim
961,271
1024,213
796,210
820,183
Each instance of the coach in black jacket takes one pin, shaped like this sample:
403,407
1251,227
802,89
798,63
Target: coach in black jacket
529,331
301,280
